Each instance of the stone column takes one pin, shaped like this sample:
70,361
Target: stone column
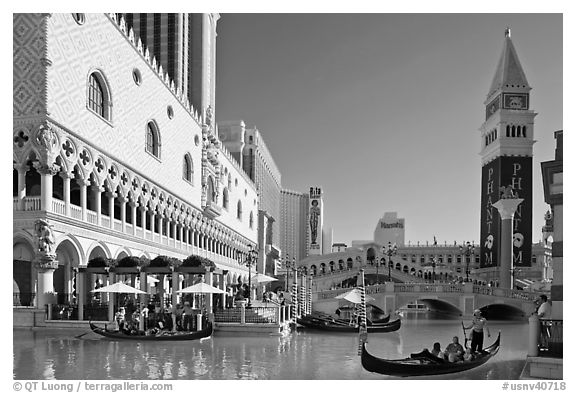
160,226
160,286
175,288
133,206
22,169
506,208
111,196
144,213
222,286
111,297
98,193
80,294
208,276
83,203
181,234
143,287
46,173
123,201
45,265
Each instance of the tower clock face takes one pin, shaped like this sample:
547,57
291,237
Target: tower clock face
515,101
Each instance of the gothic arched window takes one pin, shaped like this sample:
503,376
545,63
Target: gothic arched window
187,168
152,140
98,100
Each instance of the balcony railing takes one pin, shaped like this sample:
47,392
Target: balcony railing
76,212
32,203
550,342
58,206
24,299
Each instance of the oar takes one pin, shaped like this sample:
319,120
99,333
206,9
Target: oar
465,337
81,335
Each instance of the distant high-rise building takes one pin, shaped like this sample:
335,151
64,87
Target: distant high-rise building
185,46
327,236
315,219
390,229
247,146
294,224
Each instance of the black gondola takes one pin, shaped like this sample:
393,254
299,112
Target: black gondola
334,325
424,364
162,336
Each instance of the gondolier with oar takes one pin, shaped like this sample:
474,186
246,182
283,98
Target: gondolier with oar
478,325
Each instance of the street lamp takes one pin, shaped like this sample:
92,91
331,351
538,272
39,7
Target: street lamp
467,250
287,269
392,250
251,258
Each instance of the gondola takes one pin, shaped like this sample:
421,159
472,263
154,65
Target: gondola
334,325
163,336
424,363
374,314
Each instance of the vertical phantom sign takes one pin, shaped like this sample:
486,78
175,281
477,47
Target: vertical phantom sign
503,172
315,221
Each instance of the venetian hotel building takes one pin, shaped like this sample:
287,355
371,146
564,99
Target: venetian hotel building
116,158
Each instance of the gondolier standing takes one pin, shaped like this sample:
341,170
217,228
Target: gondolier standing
478,325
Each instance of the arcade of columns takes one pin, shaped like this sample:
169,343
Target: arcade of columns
146,211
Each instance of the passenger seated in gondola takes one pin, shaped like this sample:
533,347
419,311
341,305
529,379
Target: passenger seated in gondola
437,351
454,350
113,326
468,355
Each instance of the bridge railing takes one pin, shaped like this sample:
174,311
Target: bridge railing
467,288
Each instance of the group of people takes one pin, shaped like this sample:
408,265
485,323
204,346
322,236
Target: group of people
454,352
156,319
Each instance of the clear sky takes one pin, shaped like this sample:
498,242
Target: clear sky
383,110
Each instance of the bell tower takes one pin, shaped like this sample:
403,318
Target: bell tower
507,137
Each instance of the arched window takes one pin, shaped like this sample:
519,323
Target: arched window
225,198
210,190
239,210
187,168
508,131
98,100
251,220
152,140
524,131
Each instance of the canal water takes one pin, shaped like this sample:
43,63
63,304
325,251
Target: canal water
300,355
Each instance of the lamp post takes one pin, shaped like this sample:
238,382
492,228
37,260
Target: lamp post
467,250
251,258
287,269
392,250
515,275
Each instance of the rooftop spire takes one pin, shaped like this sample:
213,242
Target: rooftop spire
509,72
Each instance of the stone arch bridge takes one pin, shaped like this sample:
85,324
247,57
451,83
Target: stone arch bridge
460,299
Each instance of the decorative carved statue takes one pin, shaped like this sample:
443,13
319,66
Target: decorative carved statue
209,115
47,137
46,241
507,193
548,217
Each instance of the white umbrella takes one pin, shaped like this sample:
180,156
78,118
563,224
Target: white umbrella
118,287
201,287
353,296
262,278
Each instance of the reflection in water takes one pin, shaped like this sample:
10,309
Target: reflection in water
305,355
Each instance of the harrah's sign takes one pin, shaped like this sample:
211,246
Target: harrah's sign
398,224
